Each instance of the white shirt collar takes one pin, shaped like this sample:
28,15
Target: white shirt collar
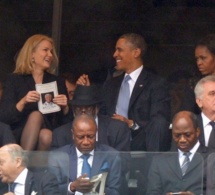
22,177
205,120
192,151
79,154
135,74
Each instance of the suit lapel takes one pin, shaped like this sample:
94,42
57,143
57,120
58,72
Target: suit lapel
73,164
98,161
202,136
29,182
173,162
197,159
138,87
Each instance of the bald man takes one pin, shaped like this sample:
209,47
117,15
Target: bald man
13,170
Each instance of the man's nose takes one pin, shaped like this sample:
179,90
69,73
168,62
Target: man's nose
85,141
182,139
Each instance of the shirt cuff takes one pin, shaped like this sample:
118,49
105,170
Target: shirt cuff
70,192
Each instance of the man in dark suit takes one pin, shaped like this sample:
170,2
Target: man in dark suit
111,132
205,98
182,171
148,111
13,170
101,158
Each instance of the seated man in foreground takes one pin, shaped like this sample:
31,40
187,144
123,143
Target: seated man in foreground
100,158
180,172
20,180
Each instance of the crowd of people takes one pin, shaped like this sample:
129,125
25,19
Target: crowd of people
96,128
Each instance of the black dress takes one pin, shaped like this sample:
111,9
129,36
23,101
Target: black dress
16,87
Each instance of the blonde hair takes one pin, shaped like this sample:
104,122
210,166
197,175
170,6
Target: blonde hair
24,63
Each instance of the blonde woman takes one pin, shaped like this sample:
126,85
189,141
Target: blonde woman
35,64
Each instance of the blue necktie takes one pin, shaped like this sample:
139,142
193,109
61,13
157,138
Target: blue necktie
86,166
185,163
123,98
12,187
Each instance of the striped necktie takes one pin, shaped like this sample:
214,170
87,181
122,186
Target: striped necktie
185,163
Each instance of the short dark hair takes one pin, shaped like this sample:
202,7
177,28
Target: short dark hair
70,77
192,117
209,42
136,40
83,118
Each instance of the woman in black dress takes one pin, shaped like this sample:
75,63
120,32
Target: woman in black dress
35,64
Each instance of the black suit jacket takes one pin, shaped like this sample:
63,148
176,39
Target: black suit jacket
43,183
16,87
149,107
110,132
201,136
106,159
6,135
165,174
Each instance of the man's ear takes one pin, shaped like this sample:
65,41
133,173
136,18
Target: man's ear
137,52
18,161
199,103
72,134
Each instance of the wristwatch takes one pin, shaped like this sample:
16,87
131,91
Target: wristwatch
133,125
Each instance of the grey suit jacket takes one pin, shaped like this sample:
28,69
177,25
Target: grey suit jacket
105,159
165,174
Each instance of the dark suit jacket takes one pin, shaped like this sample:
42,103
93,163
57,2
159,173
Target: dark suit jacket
165,174
110,132
43,183
105,159
6,135
202,135
16,87
149,107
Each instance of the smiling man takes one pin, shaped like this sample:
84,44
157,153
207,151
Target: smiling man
138,97
182,171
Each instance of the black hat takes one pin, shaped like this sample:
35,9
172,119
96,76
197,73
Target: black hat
86,95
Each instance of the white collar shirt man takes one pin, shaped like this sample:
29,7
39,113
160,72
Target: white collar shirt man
20,182
134,76
192,152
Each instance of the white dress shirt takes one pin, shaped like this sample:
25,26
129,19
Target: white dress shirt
207,128
20,180
192,151
134,76
79,167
